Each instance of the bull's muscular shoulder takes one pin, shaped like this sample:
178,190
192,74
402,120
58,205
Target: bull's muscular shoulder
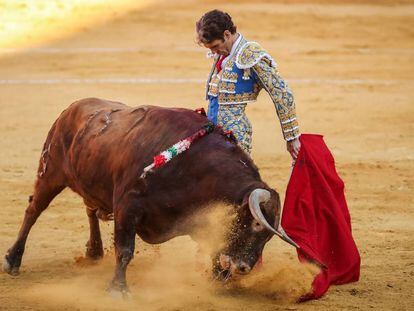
250,54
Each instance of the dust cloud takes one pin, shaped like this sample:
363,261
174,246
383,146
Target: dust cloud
176,275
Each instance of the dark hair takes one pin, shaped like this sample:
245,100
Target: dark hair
212,25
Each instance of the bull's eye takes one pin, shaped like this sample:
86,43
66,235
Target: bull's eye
257,226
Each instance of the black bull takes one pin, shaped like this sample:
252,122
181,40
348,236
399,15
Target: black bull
99,149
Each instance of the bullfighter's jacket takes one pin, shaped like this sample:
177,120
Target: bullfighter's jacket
246,71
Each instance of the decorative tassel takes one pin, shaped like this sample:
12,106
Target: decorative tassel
246,74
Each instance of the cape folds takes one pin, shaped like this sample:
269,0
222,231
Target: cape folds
316,217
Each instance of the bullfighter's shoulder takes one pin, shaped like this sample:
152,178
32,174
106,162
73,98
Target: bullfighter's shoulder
250,54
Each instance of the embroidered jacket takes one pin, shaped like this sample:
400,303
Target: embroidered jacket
243,75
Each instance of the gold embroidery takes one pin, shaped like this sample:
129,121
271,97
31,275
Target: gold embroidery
229,76
233,118
236,98
281,96
213,85
227,87
250,54
229,64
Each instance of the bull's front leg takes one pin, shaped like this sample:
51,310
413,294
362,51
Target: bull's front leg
126,218
94,247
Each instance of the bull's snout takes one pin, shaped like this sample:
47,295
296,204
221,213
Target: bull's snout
242,268
238,267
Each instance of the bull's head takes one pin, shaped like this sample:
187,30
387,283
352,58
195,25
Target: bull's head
250,231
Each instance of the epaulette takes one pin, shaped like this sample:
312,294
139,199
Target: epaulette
250,54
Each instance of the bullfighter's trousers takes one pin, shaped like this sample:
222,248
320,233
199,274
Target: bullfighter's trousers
233,118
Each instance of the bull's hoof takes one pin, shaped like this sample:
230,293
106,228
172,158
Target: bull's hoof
119,291
93,255
94,251
116,294
9,268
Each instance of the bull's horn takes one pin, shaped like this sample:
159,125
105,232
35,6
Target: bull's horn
256,197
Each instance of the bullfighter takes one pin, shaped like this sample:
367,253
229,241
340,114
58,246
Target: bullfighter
241,68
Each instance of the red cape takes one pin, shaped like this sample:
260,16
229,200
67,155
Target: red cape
316,217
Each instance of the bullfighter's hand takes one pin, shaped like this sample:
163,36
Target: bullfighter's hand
293,147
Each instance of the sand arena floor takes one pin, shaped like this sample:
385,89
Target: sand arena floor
351,68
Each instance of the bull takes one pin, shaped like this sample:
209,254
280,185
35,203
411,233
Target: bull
99,148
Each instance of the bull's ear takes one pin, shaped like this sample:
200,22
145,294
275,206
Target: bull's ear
273,208
244,206
245,201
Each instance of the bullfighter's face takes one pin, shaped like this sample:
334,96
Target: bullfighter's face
221,46
246,239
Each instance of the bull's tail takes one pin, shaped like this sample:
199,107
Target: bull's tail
45,155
